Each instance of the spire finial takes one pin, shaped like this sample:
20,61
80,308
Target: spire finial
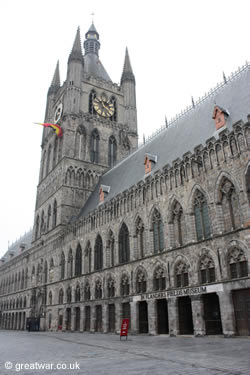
92,14
193,102
166,121
224,78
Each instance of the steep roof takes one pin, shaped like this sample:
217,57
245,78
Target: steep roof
15,248
183,134
94,67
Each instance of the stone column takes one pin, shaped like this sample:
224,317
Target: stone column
82,318
198,314
105,318
227,313
64,320
118,313
134,323
152,317
173,317
93,318
73,319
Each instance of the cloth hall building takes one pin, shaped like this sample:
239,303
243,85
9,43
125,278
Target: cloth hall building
157,233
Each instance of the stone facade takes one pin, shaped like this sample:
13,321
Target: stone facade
170,252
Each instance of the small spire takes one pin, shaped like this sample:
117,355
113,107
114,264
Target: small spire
55,84
76,53
224,78
166,121
193,104
127,74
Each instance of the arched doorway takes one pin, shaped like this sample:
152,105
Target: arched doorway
212,314
78,317
111,317
185,316
162,316
143,317
98,322
68,319
87,318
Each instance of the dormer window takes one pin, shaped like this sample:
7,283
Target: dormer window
220,116
103,192
149,162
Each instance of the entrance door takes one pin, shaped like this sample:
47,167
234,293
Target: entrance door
143,317
212,314
185,316
78,316
87,318
111,312
162,316
241,300
68,319
98,323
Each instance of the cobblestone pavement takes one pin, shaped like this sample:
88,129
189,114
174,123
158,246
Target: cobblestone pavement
105,354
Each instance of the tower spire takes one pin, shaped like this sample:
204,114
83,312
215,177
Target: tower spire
127,74
92,44
76,53
55,84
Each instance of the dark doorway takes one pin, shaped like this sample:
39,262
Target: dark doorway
162,316
126,312
185,316
143,317
98,322
212,314
78,317
111,312
241,300
87,318
68,319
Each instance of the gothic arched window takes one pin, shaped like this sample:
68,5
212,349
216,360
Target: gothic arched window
92,96
98,261
69,295
141,283
54,221
177,222
87,292
48,160
94,147
114,116
61,295
207,270
111,247
42,223
48,217
80,142
230,205
140,237
112,156
87,261
55,152
50,298
77,293
45,272
111,288
248,184
78,261
158,235
37,227
70,264
98,289
202,221
62,265
238,264
181,275
124,252
159,279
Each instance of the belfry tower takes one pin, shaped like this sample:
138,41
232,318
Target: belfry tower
99,123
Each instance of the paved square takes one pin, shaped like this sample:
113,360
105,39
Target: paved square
104,354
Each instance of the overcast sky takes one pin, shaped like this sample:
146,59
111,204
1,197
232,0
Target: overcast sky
177,48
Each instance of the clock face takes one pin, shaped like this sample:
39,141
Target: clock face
58,113
103,107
